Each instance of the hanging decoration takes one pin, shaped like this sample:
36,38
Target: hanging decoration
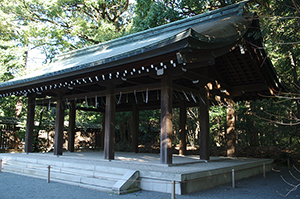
136,101
119,98
68,103
147,95
193,97
185,95
86,101
96,101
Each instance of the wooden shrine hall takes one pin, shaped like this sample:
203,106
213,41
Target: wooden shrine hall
203,60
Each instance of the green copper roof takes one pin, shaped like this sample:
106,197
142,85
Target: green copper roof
215,28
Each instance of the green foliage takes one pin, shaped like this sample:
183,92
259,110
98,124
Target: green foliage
281,32
149,126
217,126
149,13
87,119
12,52
59,25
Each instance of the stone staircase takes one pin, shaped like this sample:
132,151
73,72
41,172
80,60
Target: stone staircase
102,178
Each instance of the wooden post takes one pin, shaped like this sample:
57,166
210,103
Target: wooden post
59,126
230,129
102,132
29,124
233,178
204,126
135,128
72,126
48,177
182,128
264,170
0,137
110,112
166,121
173,190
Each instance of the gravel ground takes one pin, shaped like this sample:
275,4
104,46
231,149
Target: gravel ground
23,187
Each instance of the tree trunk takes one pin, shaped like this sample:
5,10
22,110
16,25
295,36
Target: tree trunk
230,129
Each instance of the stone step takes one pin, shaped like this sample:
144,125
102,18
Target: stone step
60,173
57,177
64,164
76,169
108,179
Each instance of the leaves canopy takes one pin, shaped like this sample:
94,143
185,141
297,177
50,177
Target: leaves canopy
59,25
149,13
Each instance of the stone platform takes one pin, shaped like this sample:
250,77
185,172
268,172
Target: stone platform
131,172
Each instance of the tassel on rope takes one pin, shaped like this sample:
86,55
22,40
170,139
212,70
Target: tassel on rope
67,103
147,96
185,95
119,98
193,97
49,106
136,101
96,101
87,105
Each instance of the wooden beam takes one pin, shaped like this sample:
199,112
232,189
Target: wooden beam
110,113
166,121
29,124
204,79
241,90
72,126
154,86
59,126
179,88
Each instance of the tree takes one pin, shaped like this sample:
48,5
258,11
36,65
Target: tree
149,13
12,51
59,25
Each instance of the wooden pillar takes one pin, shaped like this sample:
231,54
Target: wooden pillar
204,126
182,128
29,124
230,129
1,138
102,132
166,121
110,113
135,128
59,126
72,126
